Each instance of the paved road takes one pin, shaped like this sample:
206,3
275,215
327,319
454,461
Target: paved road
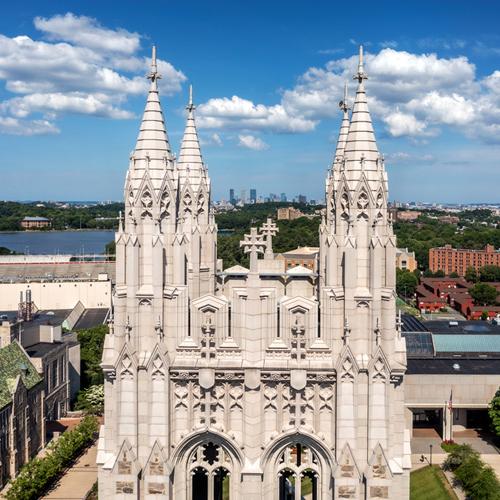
76,483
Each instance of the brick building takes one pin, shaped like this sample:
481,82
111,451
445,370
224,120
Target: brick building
303,256
35,223
407,215
289,213
453,260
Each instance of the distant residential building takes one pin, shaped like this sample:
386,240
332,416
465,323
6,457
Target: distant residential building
453,260
407,215
22,426
231,196
449,219
253,196
289,213
283,197
406,259
303,256
35,222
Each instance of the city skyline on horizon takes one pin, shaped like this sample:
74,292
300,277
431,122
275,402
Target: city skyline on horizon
69,116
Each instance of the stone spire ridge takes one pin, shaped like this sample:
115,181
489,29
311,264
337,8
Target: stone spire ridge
360,150
344,128
190,162
153,140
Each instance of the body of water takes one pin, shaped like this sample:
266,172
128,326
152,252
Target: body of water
54,242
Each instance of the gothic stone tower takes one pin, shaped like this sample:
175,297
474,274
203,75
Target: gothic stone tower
260,382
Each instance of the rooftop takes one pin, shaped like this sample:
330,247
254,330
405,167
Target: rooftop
467,343
450,366
15,362
302,251
36,219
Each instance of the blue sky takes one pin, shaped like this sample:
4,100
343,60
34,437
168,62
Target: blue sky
267,78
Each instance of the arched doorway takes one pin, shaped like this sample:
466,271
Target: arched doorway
210,469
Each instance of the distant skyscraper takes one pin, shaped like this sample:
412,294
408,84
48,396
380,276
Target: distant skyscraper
283,197
253,195
231,196
302,198
243,196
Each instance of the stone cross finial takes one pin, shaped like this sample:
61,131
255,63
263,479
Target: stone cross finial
253,244
268,230
207,340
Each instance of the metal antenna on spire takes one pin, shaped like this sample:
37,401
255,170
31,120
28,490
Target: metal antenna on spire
154,75
343,105
360,75
190,106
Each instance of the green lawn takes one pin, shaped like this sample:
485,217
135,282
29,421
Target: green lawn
429,483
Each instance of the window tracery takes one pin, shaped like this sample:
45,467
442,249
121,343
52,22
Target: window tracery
298,473
210,467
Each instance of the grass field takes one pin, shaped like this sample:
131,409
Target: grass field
429,483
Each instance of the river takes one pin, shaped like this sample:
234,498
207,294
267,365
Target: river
54,242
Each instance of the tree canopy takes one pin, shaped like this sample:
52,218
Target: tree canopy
483,294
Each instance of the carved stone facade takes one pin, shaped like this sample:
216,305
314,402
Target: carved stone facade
256,383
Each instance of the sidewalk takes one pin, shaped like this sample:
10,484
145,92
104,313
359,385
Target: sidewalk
78,480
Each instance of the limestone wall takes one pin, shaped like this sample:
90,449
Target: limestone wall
434,390
57,295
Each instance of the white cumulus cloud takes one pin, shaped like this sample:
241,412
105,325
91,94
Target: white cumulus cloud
236,112
252,142
80,67
87,32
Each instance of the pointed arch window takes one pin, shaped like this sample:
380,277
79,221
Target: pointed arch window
210,468
298,473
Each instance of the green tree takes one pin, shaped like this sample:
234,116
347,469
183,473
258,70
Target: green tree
91,400
91,345
110,249
486,487
406,283
494,412
471,275
489,273
483,294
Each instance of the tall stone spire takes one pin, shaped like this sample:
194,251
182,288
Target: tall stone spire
153,138
344,129
190,162
361,153
152,156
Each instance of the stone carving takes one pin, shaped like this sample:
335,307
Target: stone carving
146,205
379,492
158,370
156,488
126,369
124,487
164,205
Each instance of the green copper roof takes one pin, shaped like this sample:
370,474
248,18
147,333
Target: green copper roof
466,343
12,360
